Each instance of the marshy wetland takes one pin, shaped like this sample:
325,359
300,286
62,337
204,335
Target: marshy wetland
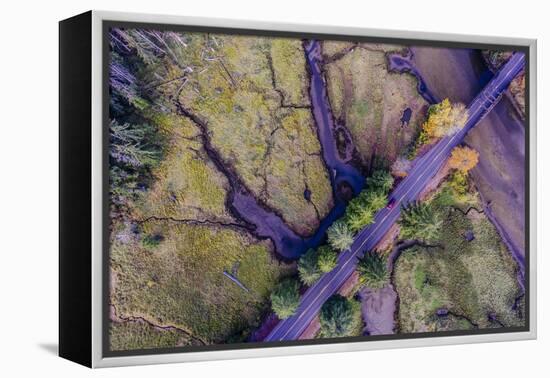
243,167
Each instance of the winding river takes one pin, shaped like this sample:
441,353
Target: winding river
268,224
403,63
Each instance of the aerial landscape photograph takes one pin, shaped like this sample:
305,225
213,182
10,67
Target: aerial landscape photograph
274,188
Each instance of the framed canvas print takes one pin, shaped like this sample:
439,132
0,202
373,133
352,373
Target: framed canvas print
235,189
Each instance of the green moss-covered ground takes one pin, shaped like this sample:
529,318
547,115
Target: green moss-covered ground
139,335
247,99
187,184
290,75
178,280
474,280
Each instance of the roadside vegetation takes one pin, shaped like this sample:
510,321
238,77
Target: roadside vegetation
420,220
315,262
340,237
373,270
443,119
458,183
463,159
285,298
308,270
361,210
359,213
340,317
326,258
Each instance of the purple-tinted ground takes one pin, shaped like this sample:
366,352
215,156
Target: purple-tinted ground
378,307
459,74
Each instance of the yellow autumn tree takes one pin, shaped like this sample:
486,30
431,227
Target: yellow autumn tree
444,118
463,159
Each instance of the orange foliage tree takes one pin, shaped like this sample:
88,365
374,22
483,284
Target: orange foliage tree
463,159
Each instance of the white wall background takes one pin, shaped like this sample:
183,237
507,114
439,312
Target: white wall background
28,200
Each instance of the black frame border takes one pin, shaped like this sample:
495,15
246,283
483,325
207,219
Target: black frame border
75,189
106,24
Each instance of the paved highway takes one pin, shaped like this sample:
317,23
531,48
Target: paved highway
424,168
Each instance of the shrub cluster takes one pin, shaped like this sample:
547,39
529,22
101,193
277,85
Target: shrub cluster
339,317
419,220
316,262
361,210
285,298
373,271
